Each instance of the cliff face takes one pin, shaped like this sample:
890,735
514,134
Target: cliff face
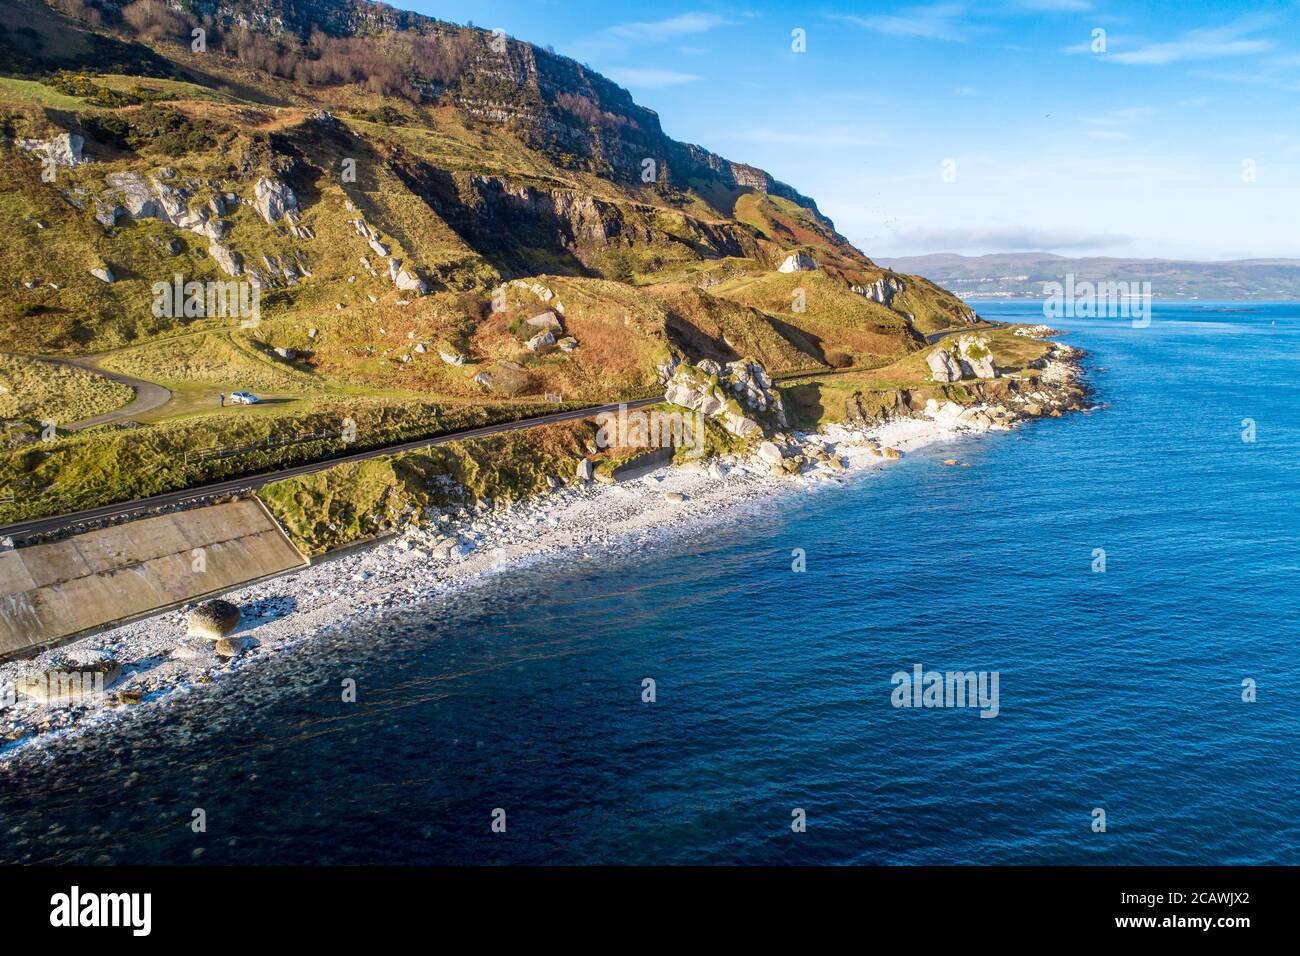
511,81
470,160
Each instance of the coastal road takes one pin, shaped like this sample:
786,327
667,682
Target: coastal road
126,509
24,529
936,336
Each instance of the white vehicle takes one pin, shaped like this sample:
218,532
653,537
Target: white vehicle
243,398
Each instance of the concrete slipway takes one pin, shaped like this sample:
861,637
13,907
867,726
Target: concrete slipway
50,593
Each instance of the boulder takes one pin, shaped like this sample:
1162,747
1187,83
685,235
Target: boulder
585,470
750,383
547,321
230,261
379,247
136,197
103,274
739,425
797,262
891,453
542,342
770,453
567,344
943,367
230,647
274,200
975,356
213,620
107,213
407,282
729,394
65,149
444,547
691,388
484,379
451,359
674,496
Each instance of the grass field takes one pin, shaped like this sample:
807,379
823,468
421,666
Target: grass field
37,391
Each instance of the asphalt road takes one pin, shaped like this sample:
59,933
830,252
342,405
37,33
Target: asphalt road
24,529
936,336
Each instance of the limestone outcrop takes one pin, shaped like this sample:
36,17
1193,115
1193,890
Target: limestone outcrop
736,395
274,200
975,356
971,357
63,149
882,290
797,262
943,367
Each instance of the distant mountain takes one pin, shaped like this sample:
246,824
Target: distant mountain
1022,274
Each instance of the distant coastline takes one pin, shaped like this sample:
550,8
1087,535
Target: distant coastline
1021,275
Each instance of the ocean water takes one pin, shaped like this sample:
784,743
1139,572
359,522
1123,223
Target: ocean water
1120,690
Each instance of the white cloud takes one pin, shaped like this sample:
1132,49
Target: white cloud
1057,6
937,22
649,78
686,23
1202,44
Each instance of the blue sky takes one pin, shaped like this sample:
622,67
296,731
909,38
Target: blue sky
1180,139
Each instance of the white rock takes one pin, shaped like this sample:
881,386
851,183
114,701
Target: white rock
541,342
547,320
797,262
975,356
943,367
274,200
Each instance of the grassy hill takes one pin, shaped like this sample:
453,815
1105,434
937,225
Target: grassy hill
432,188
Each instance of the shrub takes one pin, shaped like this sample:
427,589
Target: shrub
839,359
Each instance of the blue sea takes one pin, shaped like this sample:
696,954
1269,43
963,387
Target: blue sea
1119,690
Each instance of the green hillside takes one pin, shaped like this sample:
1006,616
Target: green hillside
403,195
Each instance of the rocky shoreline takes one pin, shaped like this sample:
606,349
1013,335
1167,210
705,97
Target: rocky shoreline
454,551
